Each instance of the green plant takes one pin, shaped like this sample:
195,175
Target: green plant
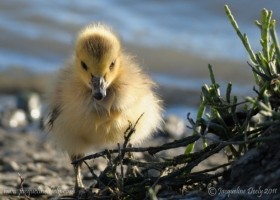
222,117
265,64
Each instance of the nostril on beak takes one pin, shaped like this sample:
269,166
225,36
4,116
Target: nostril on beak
98,96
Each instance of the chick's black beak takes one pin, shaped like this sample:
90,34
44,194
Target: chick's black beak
98,87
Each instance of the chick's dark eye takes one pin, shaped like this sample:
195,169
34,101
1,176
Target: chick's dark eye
112,65
84,66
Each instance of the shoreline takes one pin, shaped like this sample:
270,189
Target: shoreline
178,83
154,60
184,65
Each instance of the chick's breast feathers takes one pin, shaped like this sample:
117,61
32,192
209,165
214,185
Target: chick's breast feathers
78,123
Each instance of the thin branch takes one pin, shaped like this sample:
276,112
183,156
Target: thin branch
151,150
191,165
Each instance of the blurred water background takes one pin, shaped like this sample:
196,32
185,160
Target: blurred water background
173,40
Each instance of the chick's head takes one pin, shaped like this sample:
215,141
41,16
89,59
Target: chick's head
97,59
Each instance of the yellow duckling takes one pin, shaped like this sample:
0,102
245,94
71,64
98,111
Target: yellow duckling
96,94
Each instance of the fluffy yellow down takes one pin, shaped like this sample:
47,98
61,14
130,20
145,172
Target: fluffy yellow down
78,122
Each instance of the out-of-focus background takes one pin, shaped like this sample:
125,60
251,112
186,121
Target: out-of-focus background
174,41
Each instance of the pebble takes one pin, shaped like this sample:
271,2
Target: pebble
45,189
14,165
14,118
11,166
38,179
42,157
174,127
31,167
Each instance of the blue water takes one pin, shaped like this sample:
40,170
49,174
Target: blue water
39,34
194,84
199,27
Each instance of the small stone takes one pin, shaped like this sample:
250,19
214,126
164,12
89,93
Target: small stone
14,165
41,157
14,118
95,190
31,167
45,189
38,179
11,166
9,179
174,126
30,102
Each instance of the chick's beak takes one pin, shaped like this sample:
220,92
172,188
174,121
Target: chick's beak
98,87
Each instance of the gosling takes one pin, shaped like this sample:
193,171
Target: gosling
97,94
